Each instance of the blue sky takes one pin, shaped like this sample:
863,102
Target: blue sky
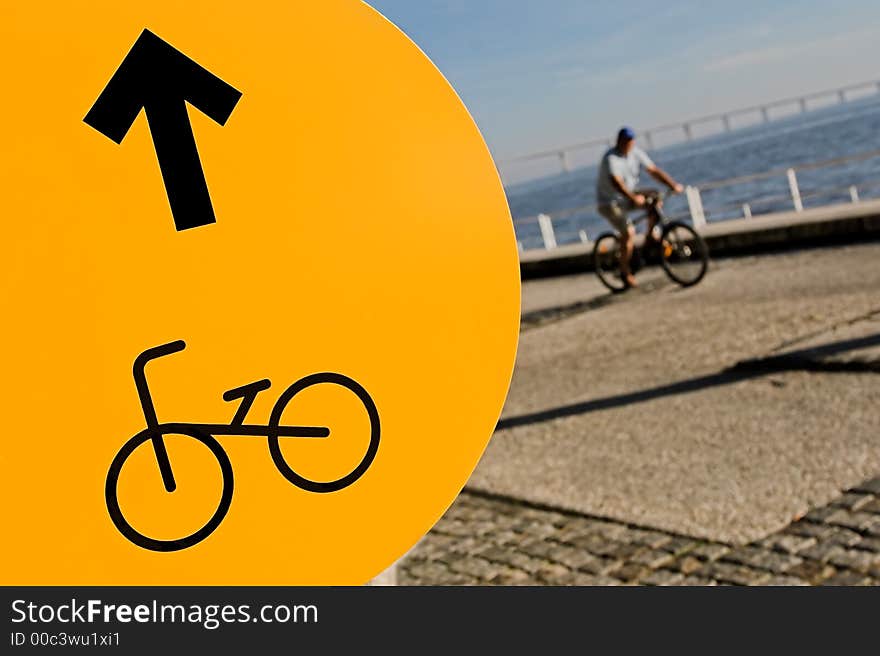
537,75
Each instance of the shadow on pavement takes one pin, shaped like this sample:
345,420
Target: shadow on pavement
543,316
808,359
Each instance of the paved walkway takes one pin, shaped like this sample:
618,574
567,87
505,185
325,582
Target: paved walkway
716,414
639,407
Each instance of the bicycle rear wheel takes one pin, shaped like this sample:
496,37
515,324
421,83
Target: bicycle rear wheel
684,255
606,262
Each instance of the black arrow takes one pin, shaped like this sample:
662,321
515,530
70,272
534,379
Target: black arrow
159,78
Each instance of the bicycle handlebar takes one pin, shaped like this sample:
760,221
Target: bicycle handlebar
140,362
661,195
140,380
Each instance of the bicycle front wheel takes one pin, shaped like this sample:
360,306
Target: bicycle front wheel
684,255
298,479
606,262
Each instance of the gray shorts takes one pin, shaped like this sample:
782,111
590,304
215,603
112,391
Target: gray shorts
617,212
616,215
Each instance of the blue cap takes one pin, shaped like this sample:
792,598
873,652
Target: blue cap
626,134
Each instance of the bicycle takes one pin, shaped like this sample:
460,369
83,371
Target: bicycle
204,433
683,254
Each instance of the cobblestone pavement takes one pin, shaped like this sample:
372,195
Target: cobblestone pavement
484,540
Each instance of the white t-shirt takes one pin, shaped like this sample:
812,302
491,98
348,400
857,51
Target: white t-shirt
626,167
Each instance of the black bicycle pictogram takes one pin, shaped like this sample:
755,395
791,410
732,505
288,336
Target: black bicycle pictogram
204,433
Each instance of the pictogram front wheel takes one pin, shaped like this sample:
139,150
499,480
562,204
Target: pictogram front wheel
111,492
275,420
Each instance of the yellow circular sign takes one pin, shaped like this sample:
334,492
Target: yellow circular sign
260,288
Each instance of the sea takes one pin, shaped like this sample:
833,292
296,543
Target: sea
838,131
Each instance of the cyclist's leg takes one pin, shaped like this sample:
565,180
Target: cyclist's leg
652,196
627,246
616,216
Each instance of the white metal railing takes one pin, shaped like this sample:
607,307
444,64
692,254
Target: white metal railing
795,191
685,128
694,196
695,205
546,225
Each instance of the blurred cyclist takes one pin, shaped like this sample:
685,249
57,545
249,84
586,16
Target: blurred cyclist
617,193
